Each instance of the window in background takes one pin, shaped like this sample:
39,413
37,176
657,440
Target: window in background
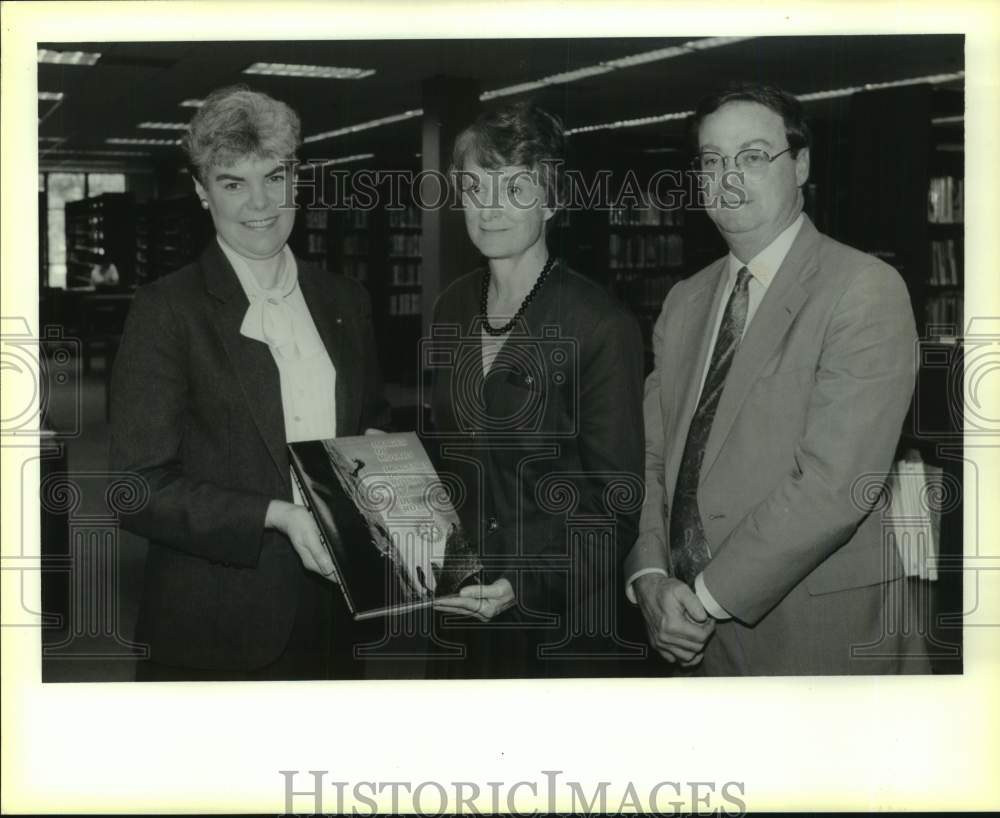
62,188
98,183
70,187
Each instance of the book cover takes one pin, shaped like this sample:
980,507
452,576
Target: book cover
387,519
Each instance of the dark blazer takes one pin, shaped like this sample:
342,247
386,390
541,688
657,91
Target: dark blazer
196,412
551,439
802,439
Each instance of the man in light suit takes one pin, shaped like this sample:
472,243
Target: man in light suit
783,373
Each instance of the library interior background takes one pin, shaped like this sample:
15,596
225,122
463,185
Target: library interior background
117,209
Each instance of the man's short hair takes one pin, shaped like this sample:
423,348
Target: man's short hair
783,104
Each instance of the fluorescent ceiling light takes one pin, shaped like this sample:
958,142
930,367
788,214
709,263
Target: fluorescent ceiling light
86,152
50,96
555,79
948,120
932,79
55,140
67,57
165,126
192,103
321,72
630,123
129,140
642,58
340,160
363,126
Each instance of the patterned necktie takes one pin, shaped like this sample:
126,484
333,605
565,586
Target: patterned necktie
689,553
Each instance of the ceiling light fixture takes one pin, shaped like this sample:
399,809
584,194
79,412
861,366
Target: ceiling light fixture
363,126
555,79
192,103
47,55
50,96
129,140
87,152
340,160
320,72
604,67
165,126
948,120
932,79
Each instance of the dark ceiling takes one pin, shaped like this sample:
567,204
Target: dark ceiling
137,82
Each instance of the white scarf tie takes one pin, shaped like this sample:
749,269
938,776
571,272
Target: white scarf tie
270,318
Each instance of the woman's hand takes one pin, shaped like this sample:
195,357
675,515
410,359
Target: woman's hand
481,601
296,523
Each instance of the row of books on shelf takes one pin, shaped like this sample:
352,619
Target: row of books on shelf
357,219
355,245
945,200
315,243
945,263
404,244
316,219
404,304
356,268
945,309
404,273
647,215
645,291
409,217
645,250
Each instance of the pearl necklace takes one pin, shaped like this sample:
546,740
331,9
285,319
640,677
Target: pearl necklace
484,310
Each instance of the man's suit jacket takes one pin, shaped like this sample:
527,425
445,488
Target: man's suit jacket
552,434
196,412
803,435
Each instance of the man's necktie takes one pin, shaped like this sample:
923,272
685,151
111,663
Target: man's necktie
689,552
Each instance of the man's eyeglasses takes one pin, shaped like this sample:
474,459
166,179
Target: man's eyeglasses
752,161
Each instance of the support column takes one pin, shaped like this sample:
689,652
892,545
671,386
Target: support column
450,104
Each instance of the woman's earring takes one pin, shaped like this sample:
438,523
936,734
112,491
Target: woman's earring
204,204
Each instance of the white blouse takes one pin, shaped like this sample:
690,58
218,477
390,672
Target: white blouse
280,318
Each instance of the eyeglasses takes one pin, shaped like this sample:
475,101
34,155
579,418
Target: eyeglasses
752,161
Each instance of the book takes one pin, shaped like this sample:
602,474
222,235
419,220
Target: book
387,520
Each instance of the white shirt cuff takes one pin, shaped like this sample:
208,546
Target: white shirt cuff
706,598
630,591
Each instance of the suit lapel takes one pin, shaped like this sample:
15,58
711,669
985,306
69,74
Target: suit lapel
252,361
782,302
327,315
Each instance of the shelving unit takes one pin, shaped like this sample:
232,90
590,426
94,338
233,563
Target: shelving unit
403,263
100,231
905,206
310,237
645,257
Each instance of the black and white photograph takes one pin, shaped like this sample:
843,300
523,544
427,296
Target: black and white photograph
680,325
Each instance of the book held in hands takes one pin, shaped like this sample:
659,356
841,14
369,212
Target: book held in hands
387,519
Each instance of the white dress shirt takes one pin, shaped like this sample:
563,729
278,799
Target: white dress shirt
763,267
280,318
